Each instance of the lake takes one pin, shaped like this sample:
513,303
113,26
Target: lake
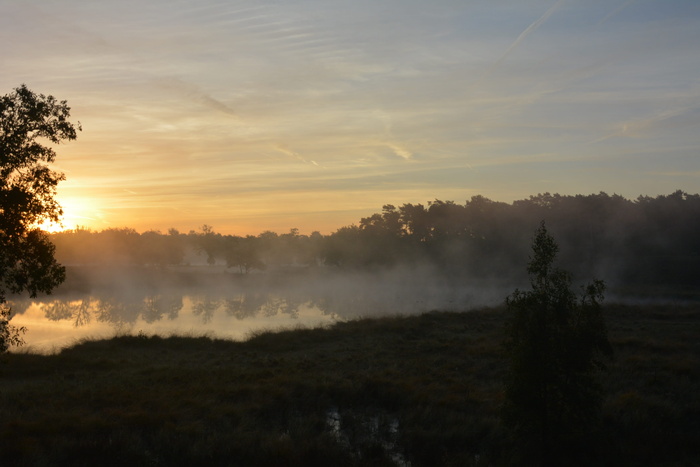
100,304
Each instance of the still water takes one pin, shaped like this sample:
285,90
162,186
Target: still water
56,323
227,306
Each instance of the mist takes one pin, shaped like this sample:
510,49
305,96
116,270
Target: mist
402,261
213,301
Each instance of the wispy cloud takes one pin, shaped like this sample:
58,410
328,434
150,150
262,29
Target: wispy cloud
193,92
614,12
400,151
682,117
285,150
219,109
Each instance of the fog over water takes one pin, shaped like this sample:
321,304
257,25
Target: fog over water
219,303
405,260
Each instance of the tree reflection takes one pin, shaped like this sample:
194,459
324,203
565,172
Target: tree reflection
121,311
117,311
77,310
172,306
281,305
113,309
245,304
299,297
58,310
156,307
205,307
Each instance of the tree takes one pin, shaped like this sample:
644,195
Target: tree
209,243
27,197
556,343
244,253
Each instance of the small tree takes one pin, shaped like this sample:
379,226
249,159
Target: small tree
27,197
556,343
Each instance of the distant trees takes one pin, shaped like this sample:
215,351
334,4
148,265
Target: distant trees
209,243
346,248
636,244
243,253
556,342
27,196
119,247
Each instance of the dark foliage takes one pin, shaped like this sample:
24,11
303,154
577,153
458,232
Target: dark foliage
556,342
27,195
637,245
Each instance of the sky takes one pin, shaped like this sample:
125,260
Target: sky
270,115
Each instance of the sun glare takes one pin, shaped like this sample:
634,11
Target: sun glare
52,227
76,213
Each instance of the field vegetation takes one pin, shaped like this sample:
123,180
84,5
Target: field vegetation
405,390
385,391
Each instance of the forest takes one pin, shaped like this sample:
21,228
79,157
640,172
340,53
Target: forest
631,244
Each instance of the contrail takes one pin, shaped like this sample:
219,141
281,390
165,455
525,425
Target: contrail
193,92
520,38
528,31
295,155
614,12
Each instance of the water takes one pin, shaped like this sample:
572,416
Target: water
226,305
57,323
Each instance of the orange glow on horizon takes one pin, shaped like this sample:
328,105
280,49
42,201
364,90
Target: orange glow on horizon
77,212
52,227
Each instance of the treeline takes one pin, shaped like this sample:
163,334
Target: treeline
648,240
125,246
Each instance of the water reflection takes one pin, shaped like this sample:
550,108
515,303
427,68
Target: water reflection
228,307
121,311
244,305
157,307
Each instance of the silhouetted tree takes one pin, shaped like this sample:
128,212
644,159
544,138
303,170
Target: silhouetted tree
382,236
27,197
210,243
556,343
347,248
312,253
642,245
157,249
415,221
243,253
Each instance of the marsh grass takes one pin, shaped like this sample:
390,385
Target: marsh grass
420,389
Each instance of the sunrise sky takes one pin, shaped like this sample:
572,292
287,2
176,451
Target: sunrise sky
267,115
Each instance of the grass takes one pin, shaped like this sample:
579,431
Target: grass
420,389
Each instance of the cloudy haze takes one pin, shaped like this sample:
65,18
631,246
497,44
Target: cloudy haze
261,115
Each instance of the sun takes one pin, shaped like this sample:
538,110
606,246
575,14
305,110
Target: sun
77,212
52,227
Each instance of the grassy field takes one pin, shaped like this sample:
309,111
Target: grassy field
420,389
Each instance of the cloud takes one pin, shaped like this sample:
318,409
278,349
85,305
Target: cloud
194,93
682,117
285,150
235,100
400,151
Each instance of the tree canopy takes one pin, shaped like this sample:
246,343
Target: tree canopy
641,246
27,194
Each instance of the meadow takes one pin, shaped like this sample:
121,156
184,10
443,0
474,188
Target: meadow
424,390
